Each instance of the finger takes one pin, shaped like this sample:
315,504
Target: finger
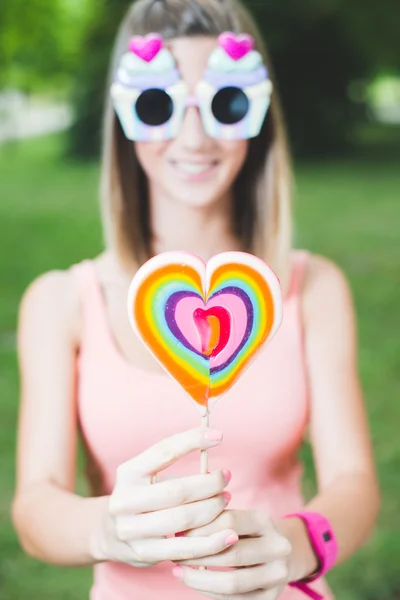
176,549
166,494
171,520
165,453
123,553
237,581
245,522
245,553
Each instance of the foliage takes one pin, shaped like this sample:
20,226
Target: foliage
315,62
39,42
91,76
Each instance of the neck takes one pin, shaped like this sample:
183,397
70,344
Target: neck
204,231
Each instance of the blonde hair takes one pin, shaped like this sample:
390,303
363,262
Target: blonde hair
262,190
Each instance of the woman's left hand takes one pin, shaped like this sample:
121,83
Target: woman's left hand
259,559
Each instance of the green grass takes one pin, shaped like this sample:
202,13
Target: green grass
348,211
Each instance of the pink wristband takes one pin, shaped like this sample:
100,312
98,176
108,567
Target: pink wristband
325,546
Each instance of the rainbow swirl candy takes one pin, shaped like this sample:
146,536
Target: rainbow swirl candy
205,323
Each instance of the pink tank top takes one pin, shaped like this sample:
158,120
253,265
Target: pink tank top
124,409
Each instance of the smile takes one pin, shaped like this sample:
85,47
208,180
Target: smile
193,168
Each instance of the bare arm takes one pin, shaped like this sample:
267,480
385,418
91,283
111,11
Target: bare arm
45,509
348,489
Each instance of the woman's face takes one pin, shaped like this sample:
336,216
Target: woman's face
193,169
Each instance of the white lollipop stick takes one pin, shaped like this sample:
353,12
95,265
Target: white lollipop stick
204,453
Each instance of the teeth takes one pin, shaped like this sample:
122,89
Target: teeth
193,169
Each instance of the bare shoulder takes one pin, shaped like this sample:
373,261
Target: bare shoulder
325,282
324,277
327,300
52,298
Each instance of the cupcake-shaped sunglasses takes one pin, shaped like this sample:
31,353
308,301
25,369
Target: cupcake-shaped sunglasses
150,96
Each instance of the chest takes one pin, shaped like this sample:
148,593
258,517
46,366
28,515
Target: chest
124,409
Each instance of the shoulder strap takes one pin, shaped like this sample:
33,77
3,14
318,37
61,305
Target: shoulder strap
300,260
90,295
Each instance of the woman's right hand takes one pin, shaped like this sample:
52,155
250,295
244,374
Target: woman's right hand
140,515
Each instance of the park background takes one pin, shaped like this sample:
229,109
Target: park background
337,64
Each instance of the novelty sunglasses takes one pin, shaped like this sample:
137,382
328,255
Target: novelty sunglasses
150,97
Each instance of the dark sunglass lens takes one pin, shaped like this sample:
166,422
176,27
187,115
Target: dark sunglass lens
154,107
230,105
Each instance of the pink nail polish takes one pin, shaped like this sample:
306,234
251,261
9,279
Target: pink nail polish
177,572
231,539
227,475
227,497
213,435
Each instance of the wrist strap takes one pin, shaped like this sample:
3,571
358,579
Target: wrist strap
303,587
324,545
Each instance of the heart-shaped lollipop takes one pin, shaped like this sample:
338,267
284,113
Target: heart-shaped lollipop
205,323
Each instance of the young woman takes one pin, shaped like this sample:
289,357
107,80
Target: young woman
195,181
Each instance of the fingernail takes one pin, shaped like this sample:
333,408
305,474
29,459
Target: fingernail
177,572
227,475
180,534
227,497
231,539
213,435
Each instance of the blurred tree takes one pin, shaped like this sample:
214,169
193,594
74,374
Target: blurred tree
318,48
315,60
38,42
90,86
375,29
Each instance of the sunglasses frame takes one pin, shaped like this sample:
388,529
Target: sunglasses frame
135,129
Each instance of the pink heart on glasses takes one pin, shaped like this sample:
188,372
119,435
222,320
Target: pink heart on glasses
147,47
236,46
